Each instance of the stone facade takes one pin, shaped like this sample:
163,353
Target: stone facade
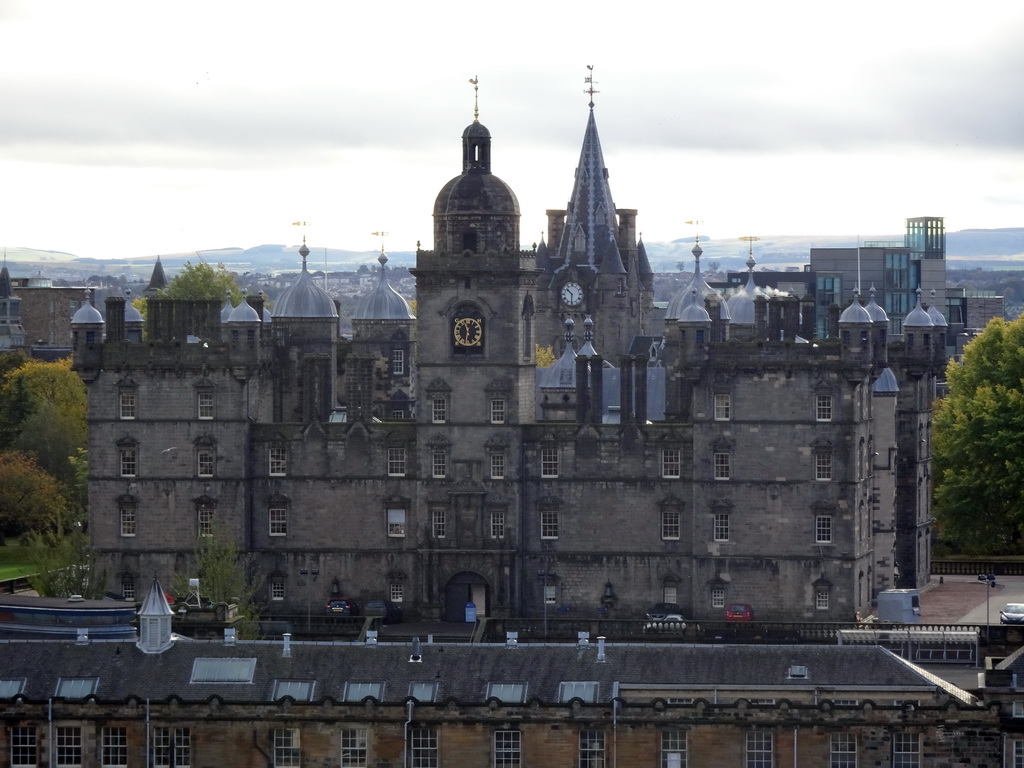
719,463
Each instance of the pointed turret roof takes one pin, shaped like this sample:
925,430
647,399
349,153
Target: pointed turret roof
383,302
157,281
304,298
5,282
588,239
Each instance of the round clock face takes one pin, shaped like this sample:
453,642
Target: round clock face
572,294
469,332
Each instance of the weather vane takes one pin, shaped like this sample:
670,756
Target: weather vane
696,225
589,80
475,80
381,234
302,224
750,239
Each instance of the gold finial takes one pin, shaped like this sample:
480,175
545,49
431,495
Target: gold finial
475,80
696,224
302,224
382,234
589,80
750,239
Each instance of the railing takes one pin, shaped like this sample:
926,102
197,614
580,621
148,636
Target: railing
950,567
18,584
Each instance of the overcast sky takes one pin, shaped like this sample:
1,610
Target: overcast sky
141,128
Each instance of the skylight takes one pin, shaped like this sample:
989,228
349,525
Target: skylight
423,691
300,690
229,670
359,691
568,691
510,693
76,687
11,688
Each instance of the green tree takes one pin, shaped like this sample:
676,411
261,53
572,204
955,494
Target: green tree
203,282
66,565
30,498
978,430
226,575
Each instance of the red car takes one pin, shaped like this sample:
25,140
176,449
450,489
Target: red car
739,612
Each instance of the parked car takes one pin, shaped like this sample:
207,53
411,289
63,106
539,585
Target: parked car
390,613
673,622
342,606
1012,613
739,612
660,611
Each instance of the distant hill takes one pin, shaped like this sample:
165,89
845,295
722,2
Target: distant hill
965,249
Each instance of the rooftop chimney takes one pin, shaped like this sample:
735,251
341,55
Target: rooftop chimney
287,636
600,648
416,657
229,636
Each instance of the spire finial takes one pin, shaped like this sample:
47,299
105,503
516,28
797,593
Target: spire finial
695,223
475,80
589,80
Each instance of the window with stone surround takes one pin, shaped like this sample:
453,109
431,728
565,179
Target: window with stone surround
278,460
823,407
114,747
287,751
498,411
720,526
128,459
671,463
670,524
497,465
723,406
823,529
353,748
204,404
906,750
278,521
549,523
127,405
172,747
592,751
396,462
760,752
549,461
24,746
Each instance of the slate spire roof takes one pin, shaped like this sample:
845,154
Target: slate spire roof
588,239
157,280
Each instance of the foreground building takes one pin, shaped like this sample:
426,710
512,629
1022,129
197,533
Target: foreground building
735,457
166,702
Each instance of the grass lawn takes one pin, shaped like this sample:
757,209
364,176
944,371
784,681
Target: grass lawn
15,560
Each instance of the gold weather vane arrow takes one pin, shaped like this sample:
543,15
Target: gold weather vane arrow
382,234
696,225
302,224
751,240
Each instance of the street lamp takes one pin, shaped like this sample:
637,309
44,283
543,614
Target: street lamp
314,572
545,576
990,581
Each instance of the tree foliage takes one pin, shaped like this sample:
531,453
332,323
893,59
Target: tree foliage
66,565
30,498
545,356
978,433
203,282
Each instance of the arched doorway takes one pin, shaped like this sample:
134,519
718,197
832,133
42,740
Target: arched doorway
464,588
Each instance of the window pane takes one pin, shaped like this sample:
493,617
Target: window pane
353,748
508,749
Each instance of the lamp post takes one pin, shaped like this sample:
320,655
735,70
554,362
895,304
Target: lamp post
314,572
545,576
990,581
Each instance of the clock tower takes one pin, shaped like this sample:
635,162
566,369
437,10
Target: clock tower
475,303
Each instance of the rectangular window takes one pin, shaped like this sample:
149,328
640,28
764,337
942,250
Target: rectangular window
906,750
549,523
673,748
396,462
592,749
205,520
205,405
438,519
127,521
353,748
423,748
128,587
670,524
68,746
277,588
286,748
821,599
24,748
669,593
439,410
720,526
498,417
1018,753
584,690
550,594
671,463
723,465
359,691
1018,709
396,522
549,461
842,750
278,458
508,749
439,463
823,529
497,524
172,747
398,362
278,518
823,465
396,591
718,597
114,749
823,407
127,405
129,462
497,466
723,407
204,462
760,752
506,692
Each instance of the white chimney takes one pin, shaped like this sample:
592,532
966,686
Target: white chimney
287,644
600,648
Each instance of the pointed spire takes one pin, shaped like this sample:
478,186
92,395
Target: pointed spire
155,621
157,281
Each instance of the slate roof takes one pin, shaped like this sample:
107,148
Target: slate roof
462,670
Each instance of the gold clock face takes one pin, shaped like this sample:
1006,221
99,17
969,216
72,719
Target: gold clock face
469,332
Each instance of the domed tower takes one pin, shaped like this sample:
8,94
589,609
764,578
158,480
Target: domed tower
378,370
305,330
474,294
